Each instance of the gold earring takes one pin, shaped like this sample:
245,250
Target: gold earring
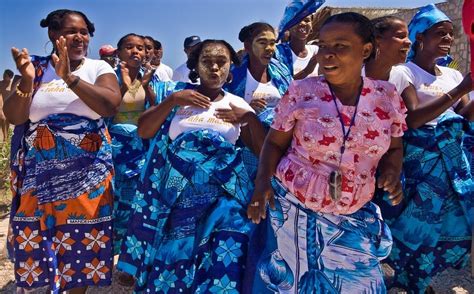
229,78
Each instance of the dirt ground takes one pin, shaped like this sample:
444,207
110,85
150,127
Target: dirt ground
451,281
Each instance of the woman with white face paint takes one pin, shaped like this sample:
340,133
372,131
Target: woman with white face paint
260,79
189,212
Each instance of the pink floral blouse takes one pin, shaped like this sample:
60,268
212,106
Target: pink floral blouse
308,109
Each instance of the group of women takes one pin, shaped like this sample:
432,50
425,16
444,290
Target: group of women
260,178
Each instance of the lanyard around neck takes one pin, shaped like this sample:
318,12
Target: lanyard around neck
344,133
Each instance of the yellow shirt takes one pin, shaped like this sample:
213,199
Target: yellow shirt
132,105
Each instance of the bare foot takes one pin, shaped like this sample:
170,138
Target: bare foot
126,280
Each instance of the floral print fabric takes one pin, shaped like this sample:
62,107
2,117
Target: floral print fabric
308,110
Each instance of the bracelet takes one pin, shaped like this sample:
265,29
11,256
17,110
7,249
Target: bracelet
74,83
22,94
449,96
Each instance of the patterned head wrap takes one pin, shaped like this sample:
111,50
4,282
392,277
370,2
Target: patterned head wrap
424,19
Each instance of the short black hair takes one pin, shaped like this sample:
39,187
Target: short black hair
9,73
384,24
158,45
194,56
54,20
150,38
248,33
120,42
363,27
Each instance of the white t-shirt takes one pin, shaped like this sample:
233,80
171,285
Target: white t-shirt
255,89
164,72
190,118
300,63
427,86
390,79
181,74
53,95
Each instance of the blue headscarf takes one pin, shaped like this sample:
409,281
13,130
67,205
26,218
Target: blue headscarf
424,19
295,12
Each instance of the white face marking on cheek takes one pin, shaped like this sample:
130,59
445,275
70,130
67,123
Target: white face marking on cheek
210,55
214,51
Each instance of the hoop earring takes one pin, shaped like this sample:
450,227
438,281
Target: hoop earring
193,75
421,46
46,45
377,52
230,77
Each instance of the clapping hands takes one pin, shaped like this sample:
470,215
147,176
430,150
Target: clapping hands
23,63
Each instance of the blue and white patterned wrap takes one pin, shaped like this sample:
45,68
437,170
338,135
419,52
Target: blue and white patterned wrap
311,252
189,231
432,227
129,156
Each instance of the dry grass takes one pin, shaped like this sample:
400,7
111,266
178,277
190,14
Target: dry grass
5,202
5,194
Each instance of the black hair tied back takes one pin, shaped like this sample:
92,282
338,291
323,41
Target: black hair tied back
248,33
54,20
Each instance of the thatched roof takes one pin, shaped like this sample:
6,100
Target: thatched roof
321,15
371,12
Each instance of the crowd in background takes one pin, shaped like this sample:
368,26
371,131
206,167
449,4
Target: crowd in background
343,166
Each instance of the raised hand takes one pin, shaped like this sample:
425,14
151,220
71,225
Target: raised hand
191,97
23,63
126,80
61,59
466,84
149,72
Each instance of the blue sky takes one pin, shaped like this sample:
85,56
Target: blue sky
169,21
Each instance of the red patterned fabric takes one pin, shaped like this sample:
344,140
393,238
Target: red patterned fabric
308,109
